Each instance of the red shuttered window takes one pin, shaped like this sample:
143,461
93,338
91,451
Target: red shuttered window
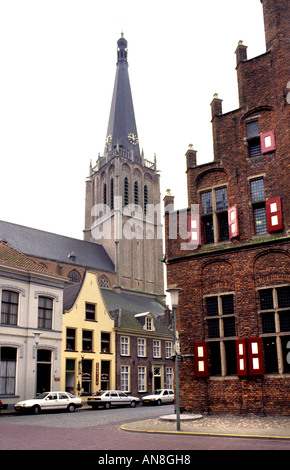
233,221
241,349
249,356
267,142
274,214
255,356
200,359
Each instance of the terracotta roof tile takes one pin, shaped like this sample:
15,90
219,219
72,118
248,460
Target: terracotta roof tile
12,257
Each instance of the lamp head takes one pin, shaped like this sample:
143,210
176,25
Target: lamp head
174,294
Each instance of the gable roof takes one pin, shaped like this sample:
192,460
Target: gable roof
132,302
11,257
70,294
51,246
125,319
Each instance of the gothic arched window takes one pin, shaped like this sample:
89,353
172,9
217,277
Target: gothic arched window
136,193
105,194
145,198
126,191
103,281
74,276
112,194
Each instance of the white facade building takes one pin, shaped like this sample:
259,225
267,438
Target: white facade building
31,301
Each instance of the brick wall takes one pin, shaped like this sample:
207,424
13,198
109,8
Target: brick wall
240,267
64,269
133,361
241,272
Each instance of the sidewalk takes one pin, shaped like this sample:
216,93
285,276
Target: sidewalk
274,427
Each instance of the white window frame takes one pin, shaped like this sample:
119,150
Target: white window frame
141,347
168,349
156,348
169,377
125,378
142,375
125,346
149,324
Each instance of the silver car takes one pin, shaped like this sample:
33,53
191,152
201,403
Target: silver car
110,398
159,397
50,401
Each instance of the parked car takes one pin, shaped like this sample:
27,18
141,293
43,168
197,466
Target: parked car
3,406
50,401
110,398
159,397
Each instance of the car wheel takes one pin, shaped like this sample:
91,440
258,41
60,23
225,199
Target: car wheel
36,410
159,402
107,405
133,404
71,407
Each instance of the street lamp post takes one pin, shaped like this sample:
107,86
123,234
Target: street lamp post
174,294
36,338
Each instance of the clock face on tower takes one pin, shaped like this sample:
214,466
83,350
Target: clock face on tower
133,139
108,140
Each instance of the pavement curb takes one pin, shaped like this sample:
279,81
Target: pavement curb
129,427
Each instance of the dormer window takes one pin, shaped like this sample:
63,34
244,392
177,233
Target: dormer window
149,324
147,320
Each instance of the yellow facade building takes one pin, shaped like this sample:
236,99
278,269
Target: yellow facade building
88,356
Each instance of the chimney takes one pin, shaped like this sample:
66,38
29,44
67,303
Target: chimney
167,316
276,22
190,157
168,201
216,106
241,53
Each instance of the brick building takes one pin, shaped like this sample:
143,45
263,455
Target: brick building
143,352
233,315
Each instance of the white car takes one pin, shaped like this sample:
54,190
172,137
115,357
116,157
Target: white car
159,397
50,401
110,398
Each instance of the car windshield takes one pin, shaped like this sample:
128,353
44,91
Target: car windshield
98,394
157,392
41,395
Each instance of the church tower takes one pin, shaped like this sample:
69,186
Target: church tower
123,196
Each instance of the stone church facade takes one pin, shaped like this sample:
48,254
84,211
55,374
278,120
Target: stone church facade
123,196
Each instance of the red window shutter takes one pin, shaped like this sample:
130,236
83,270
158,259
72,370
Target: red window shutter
193,228
268,142
200,359
233,221
241,348
255,356
274,214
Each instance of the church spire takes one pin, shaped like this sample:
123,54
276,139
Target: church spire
122,48
122,125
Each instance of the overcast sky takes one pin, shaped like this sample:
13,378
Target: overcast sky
57,71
